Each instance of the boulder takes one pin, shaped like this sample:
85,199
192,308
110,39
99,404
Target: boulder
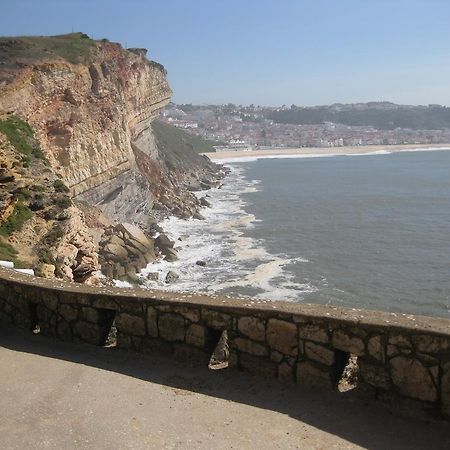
201,263
46,270
132,276
139,246
149,257
205,202
153,276
133,232
117,252
170,254
171,276
162,241
114,239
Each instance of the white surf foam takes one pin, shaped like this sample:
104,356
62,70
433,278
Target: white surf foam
235,263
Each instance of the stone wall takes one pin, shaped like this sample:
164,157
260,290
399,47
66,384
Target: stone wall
403,360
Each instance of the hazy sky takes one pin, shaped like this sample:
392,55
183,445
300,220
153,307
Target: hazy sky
268,51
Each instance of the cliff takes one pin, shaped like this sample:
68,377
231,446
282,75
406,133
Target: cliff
90,106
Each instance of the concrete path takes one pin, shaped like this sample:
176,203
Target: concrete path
56,395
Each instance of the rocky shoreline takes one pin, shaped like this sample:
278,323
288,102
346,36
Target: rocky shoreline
125,249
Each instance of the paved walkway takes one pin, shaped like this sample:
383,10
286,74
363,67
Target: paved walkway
56,395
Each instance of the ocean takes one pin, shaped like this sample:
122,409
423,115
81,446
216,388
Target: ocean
366,231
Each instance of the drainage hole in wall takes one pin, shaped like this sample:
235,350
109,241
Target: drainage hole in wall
349,377
221,353
34,319
111,339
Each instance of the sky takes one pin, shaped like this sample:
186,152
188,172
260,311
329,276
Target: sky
268,52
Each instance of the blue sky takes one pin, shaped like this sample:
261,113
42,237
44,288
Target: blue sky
268,52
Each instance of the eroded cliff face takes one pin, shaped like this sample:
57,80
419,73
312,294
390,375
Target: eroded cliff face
91,105
93,121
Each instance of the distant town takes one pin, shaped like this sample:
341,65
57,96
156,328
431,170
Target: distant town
236,127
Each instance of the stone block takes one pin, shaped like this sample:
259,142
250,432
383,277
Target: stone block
309,374
171,327
129,324
282,336
412,378
445,392
435,374
319,353
392,350
63,330
248,346
196,335
252,327
105,302
90,333
276,356
427,359
68,312
347,343
375,348
90,314
132,305
430,344
216,319
50,300
190,313
374,375
152,322
258,366
400,341
124,341
314,333
285,373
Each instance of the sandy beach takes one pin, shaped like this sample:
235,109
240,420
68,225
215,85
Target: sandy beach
323,151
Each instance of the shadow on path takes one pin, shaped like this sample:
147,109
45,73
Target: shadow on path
347,416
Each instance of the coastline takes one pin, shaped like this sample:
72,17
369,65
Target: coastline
322,151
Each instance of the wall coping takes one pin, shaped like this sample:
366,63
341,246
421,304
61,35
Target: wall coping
349,316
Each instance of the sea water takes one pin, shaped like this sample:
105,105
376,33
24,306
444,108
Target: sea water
367,231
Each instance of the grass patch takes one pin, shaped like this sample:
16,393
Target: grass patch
16,220
9,253
20,136
74,47
175,137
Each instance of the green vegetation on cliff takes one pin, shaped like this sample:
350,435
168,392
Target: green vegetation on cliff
74,47
16,220
8,253
173,137
20,136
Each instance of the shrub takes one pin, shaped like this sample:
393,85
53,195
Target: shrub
63,202
53,236
59,186
46,256
16,220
